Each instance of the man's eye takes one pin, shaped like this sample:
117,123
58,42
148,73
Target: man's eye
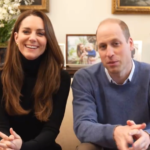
102,47
116,44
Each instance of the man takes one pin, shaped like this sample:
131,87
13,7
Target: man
111,99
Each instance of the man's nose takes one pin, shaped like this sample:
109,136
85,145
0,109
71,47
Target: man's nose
110,51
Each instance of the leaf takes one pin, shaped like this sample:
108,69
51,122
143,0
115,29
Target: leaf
5,32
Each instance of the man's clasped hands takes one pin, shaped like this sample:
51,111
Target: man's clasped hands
132,136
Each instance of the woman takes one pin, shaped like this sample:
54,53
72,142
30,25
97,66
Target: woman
82,54
34,87
87,55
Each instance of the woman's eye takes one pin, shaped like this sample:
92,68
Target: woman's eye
41,34
25,31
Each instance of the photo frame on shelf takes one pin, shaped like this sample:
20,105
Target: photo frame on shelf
63,50
136,53
42,5
2,53
130,7
81,50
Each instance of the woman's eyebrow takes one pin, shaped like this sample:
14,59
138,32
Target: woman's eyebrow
40,30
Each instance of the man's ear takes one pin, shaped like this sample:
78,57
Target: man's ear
16,37
131,44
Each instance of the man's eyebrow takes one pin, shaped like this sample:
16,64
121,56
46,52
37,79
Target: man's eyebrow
102,43
115,39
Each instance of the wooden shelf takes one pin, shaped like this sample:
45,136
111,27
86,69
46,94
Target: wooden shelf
71,70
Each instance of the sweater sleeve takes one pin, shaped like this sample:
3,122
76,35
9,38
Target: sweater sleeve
92,53
148,129
4,119
86,125
51,128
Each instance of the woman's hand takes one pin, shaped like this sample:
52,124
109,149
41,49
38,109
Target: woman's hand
84,54
13,142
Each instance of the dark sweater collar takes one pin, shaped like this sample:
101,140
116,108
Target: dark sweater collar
30,67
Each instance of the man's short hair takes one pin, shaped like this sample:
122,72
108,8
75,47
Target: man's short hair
121,23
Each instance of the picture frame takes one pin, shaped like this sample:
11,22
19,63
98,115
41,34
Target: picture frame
42,5
81,50
63,50
2,53
130,7
136,53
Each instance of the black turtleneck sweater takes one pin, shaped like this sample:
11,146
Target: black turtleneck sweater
36,135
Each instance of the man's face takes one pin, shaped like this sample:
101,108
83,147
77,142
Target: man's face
114,49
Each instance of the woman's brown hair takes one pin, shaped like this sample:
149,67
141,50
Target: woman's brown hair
48,78
78,50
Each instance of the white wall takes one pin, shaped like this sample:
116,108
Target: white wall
83,17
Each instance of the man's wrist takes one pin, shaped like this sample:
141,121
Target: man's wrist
114,131
148,136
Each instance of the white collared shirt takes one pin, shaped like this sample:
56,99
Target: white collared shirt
128,79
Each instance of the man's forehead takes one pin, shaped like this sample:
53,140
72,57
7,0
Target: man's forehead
108,40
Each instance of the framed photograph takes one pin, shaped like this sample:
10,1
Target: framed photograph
81,50
136,53
130,6
2,53
42,5
63,50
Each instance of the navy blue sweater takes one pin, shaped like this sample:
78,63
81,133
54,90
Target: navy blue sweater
99,105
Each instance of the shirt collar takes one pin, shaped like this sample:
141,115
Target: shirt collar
127,80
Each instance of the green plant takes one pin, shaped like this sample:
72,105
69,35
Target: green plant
5,31
9,10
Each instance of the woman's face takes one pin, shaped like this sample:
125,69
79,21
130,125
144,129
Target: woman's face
30,38
82,48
